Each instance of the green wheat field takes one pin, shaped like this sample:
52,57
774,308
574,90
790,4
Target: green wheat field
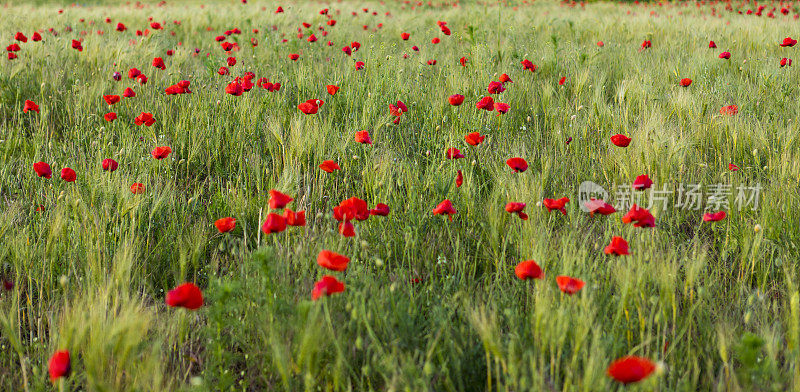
123,275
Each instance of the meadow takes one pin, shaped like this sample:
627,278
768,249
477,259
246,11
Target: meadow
130,268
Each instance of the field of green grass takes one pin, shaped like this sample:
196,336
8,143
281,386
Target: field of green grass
429,303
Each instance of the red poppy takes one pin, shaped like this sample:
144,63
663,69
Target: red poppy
68,175
137,188
76,44
486,103
730,110
279,10
128,93
380,209
59,365
359,65
294,218
20,37
109,165
528,65
294,56
274,224
600,44
405,36
42,169
599,207
502,108
329,166
712,45
646,44
234,88
569,284
733,167
640,217
158,62
144,119
30,105
631,369
620,140
363,137
111,99
725,55
352,208
326,286
642,182
278,200
332,89
453,153
474,138
528,269
504,78
463,61
110,116
617,247
562,80
347,229
686,82
455,99
445,208
142,79
788,42
13,48
161,152
517,208
186,296
347,50
714,217
519,165
556,204
495,88
784,62
332,261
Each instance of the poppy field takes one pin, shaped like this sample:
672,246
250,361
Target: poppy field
399,196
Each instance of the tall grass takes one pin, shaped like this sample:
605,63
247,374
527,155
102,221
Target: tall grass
430,304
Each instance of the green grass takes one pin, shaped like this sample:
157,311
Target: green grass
717,304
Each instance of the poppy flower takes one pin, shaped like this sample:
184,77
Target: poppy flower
13,48
68,175
445,208
712,45
631,369
279,10
332,89
347,229
528,65
562,80
517,208
30,105
620,140
161,152
519,165
347,50
121,27
234,88
128,93
646,44
380,209
110,116
278,200
556,204
274,224
642,182
474,138
109,165
686,82
528,269
312,38
725,55
617,247
111,99
294,218
486,103
569,284
59,365
733,167
463,61
431,62
144,119
504,78
332,261
137,188
20,37
714,217
42,169
329,166
788,42
326,286
595,206
223,71
12,56
640,217
294,56
495,88
459,179
142,79
730,110
784,62
455,99
76,44
352,208
363,137
158,62
359,65
186,296
453,153
405,36
501,108
600,44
